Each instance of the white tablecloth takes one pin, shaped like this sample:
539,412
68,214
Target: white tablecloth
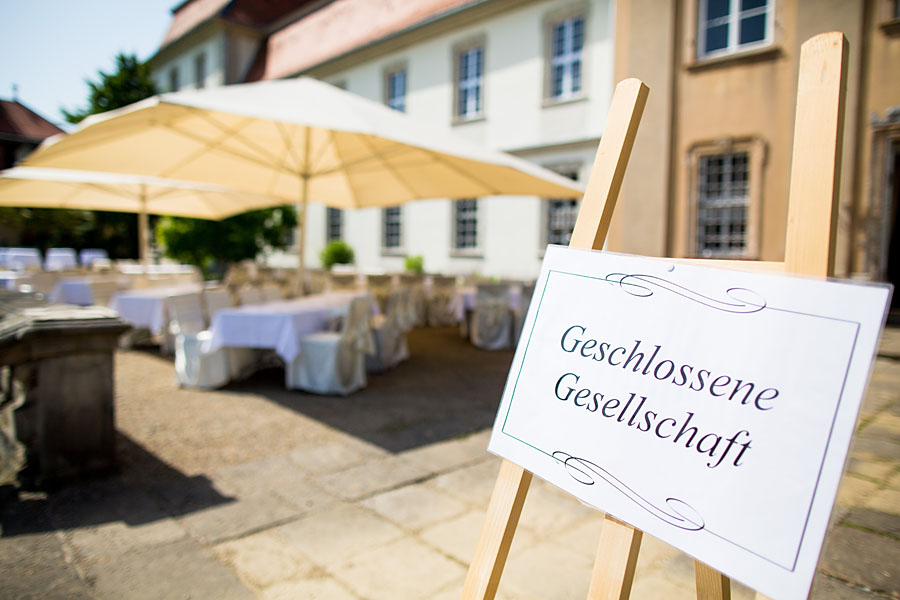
277,325
8,279
149,308
72,290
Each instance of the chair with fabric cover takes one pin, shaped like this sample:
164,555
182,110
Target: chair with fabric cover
418,302
334,362
241,361
103,290
316,281
271,292
492,319
250,295
521,310
342,282
390,338
193,367
441,311
380,286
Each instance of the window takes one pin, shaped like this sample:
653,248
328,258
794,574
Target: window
729,26
561,216
392,228
174,84
334,222
465,224
722,204
567,41
469,83
395,87
200,70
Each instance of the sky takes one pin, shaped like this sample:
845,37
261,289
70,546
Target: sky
49,48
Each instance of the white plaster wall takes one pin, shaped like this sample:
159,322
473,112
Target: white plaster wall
512,237
215,68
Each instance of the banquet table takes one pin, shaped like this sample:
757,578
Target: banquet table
464,299
278,325
149,308
72,290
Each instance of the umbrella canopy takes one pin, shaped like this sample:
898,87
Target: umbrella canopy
299,139
38,187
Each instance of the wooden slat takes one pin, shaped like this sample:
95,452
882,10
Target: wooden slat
711,585
616,560
816,164
497,532
509,493
608,171
737,265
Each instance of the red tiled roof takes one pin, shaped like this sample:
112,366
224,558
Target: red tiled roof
18,120
337,28
188,15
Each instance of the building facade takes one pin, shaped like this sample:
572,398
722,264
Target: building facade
531,78
709,173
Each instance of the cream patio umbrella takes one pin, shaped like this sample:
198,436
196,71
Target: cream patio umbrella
300,139
38,187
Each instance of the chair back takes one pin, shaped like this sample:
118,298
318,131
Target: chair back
186,312
102,291
216,299
355,329
342,282
316,281
491,294
271,292
380,286
250,295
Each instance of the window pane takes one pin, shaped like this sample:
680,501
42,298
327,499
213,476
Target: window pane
577,34
753,29
466,224
576,76
722,199
716,9
716,37
750,4
558,39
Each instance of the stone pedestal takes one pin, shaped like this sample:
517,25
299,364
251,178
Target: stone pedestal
58,376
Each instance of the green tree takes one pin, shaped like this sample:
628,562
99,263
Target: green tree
129,83
213,244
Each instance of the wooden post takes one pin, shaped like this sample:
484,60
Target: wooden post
590,232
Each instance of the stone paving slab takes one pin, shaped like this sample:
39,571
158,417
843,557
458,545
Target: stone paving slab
863,558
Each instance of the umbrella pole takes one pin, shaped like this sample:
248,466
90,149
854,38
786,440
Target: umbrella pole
143,242
301,236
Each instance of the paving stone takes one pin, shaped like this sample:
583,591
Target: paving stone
336,534
371,477
863,558
264,559
278,476
583,537
874,520
548,510
183,569
452,454
321,588
34,567
333,456
405,569
112,539
853,491
827,588
472,485
546,571
878,470
872,448
886,501
239,517
457,537
415,506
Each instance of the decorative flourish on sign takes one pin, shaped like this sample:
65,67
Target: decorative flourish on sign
676,512
740,300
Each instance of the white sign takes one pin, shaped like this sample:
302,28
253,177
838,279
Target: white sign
712,409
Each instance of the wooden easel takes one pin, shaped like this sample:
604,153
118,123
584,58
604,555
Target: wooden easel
810,249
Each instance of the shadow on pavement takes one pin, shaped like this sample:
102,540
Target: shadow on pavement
142,490
448,388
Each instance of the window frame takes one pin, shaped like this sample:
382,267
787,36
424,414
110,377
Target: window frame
200,70
390,72
572,11
329,225
572,171
756,151
459,49
732,47
385,247
174,79
467,251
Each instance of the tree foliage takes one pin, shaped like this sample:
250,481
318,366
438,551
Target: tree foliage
129,83
212,244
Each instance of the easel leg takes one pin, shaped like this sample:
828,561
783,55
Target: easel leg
616,559
497,532
711,585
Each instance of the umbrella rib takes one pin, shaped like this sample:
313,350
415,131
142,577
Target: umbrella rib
236,133
286,138
322,150
440,159
381,159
